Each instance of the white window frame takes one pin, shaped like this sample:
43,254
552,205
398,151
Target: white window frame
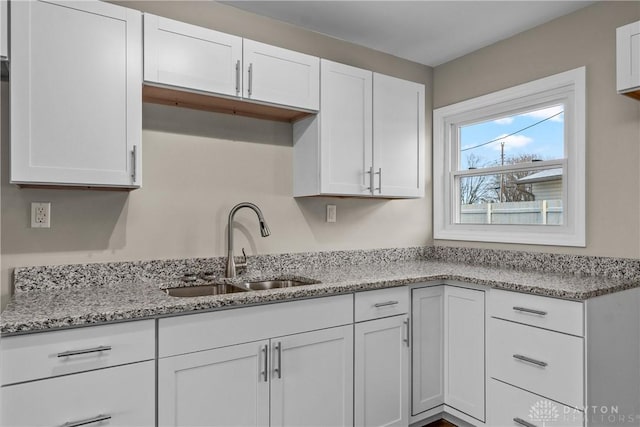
567,88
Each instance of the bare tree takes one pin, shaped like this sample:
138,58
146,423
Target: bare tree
506,185
475,189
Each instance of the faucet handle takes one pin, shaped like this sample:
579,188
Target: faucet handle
242,264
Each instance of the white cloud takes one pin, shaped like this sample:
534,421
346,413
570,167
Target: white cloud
504,121
511,142
547,112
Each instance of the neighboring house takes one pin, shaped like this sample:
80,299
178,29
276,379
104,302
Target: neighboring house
546,184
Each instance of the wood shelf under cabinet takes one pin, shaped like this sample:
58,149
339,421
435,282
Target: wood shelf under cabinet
217,104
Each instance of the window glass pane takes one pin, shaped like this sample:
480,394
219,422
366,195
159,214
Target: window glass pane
518,138
523,197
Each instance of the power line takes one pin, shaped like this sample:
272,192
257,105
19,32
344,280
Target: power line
511,134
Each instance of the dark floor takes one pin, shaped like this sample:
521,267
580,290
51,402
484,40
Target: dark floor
440,423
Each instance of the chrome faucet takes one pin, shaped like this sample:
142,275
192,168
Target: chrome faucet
264,231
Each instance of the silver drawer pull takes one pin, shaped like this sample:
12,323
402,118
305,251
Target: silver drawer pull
96,419
384,304
85,351
408,337
529,360
523,422
530,310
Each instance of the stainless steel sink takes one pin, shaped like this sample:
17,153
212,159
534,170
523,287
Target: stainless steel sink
273,284
203,290
222,289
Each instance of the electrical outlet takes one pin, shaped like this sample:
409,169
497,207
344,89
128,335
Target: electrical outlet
331,213
40,215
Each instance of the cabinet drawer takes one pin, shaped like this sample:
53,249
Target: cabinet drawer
196,332
125,394
381,303
48,354
543,362
544,312
506,404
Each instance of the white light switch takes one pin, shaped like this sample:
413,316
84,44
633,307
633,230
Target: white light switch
331,213
40,215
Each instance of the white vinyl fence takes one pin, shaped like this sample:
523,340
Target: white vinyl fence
538,212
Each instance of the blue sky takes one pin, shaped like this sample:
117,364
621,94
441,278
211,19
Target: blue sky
545,140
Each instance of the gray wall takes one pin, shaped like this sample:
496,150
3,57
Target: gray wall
586,37
197,165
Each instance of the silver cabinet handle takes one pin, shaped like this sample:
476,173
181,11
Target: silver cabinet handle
379,173
530,310
278,350
134,160
371,177
523,422
84,351
238,77
384,304
250,72
265,372
530,360
406,339
95,419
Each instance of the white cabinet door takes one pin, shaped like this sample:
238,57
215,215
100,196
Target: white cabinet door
312,378
228,386
398,137
464,351
628,57
345,129
280,76
4,30
191,57
121,396
427,317
75,94
382,372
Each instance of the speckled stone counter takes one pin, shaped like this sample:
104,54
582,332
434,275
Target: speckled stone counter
99,293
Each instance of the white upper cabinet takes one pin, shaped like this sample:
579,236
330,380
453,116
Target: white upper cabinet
4,30
368,139
398,137
186,56
628,58
345,129
280,76
75,95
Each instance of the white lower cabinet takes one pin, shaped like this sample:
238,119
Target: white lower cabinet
288,364
298,380
226,386
121,396
520,408
448,363
464,367
312,378
427,317
382,372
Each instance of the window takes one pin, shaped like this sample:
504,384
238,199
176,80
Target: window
510,166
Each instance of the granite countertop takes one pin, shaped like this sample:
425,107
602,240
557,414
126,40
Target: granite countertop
47,309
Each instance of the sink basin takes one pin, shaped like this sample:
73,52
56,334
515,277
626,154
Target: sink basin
273,284
203,290
222,289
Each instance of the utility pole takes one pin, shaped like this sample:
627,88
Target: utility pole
502,174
